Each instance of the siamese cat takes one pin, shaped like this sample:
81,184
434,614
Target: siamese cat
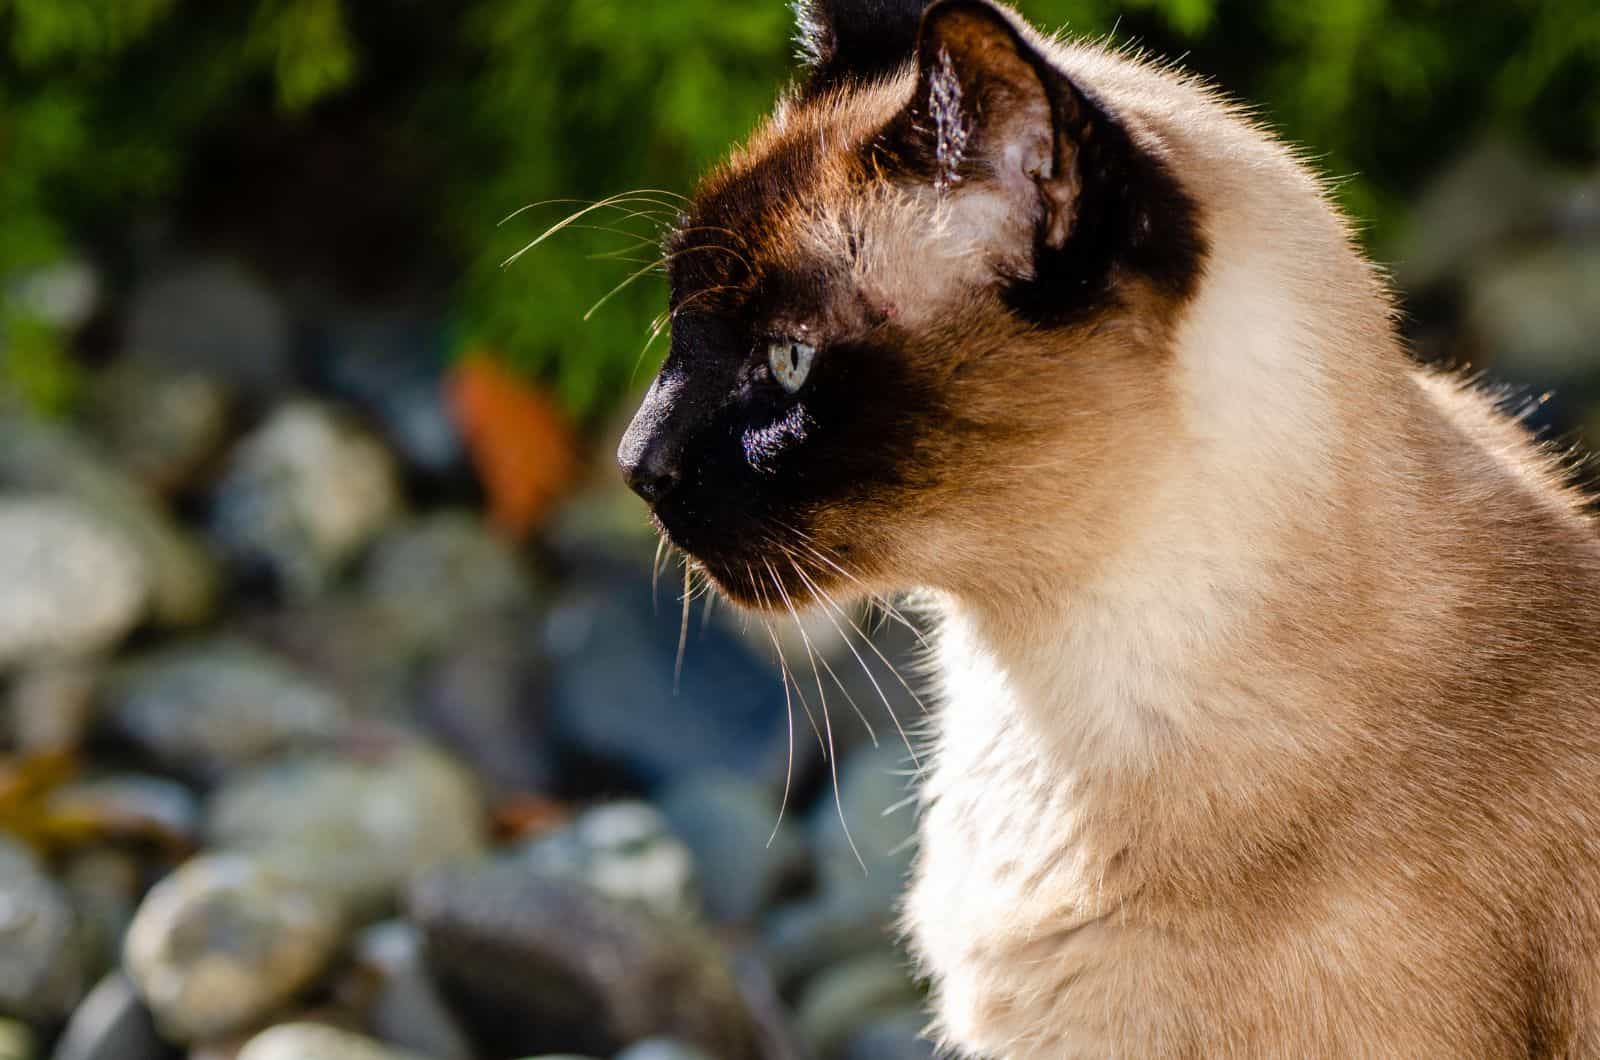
1269,697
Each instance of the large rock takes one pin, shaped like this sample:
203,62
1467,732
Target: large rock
302,496
224,942
216,704
623,850
43,457
357,829
535,963
41,967
613,698
73,584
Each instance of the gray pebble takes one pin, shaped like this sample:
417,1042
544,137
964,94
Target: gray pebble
112,1023
303,495
546,962
41,965
625,851
223,942
74,583
356,829
214,704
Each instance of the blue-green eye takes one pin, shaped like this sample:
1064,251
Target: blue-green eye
790,362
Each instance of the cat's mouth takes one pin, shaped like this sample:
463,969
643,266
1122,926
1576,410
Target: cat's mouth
764,577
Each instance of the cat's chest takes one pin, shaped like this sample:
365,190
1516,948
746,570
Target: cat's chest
1018,906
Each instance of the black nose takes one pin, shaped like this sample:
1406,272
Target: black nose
652,473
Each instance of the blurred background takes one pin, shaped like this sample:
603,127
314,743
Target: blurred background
341,714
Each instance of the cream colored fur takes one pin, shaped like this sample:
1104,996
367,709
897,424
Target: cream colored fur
1293,751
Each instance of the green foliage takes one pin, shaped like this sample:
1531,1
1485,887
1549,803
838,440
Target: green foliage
102,103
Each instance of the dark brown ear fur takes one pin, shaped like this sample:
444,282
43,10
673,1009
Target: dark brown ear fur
855,40
990,107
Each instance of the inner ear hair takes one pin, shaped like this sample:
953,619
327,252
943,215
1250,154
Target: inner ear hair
994,101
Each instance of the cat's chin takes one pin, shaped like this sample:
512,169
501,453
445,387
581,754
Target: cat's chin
764,587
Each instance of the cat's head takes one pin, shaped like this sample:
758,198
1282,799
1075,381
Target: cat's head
941,274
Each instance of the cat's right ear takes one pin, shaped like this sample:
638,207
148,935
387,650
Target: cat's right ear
855,40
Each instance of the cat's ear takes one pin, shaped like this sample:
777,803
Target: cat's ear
990,107
845,40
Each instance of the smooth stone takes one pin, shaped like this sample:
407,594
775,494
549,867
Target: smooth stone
302,496
161,430
41,965
111,1023
50,708
625,851
213,318
104,885
747,857
211,705
590,972
614,708
404,1006
45,458
895,1037
663,1049
842,1000
74,584
483,696
314,1041
224,942
443,571
357,829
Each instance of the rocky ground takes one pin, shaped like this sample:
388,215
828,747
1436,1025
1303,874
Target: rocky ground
300,758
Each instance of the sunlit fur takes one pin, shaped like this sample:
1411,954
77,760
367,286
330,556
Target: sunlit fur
1266,663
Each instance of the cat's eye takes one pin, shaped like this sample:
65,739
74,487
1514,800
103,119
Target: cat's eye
790,361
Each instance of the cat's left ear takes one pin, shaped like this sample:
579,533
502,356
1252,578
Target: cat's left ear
855,40
990,107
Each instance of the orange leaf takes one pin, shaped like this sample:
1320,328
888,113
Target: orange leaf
523,448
